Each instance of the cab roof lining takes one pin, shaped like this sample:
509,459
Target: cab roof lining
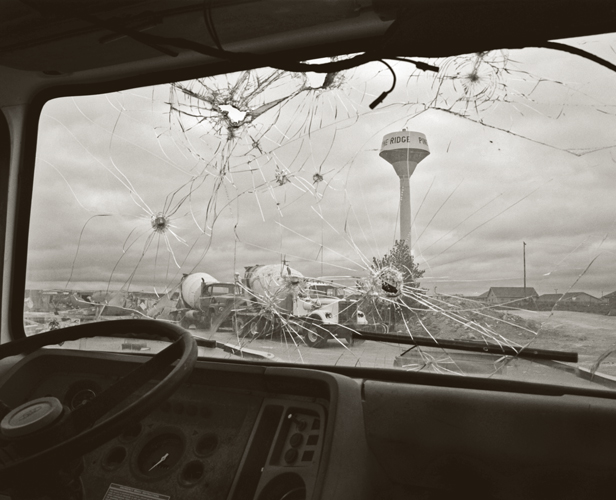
65,37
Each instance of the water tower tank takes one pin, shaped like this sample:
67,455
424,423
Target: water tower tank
404,150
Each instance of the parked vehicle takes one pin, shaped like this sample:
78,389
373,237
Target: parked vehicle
207,303
285,302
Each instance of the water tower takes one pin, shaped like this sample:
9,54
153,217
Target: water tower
404,150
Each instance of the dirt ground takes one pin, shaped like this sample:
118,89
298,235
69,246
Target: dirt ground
590,335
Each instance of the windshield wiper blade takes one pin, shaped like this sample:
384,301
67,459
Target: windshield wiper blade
239,351
469,345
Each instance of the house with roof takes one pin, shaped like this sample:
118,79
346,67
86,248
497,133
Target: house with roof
510,295
609,297
582,297
577,297
549,298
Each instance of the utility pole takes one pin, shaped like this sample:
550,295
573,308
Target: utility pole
524,256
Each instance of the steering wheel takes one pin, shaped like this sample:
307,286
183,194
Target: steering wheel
80,429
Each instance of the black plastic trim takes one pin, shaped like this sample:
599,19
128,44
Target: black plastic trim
5,164
436,379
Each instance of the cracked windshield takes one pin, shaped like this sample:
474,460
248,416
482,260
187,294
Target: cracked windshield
449,215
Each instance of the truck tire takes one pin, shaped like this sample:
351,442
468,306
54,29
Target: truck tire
251,329
314,334
239,324
257,328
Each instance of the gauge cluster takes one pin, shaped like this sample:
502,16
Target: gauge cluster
188,447
80,393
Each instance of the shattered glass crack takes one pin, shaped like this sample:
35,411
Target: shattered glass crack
254,208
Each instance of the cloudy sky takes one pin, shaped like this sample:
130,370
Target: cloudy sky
523,149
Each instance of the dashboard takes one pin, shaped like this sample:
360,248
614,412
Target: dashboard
239,431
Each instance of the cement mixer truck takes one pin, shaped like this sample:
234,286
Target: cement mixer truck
283,300
206,303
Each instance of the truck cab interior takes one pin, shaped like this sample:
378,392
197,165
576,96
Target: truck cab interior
145,139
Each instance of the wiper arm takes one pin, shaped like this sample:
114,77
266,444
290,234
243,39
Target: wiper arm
469,345
241,352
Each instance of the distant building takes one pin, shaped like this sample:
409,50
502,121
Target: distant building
510,295
583,297
577,297
549,298
610,297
